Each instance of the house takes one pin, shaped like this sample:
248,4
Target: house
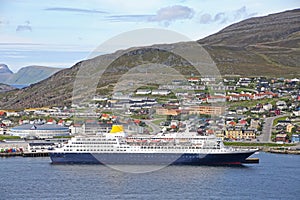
267,106
7,122
281,105
295,138
284,122
208,80
296,113
215,99
289,128
183,93
61,122
281,138
244,82
243,122
12,114
263,95
194,80
240,110
51,121
232,123
280,127
161,92
239,97
257,110
143,91
255,123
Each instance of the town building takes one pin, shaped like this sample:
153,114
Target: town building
281,138
240,134
206,110
295,138
39,131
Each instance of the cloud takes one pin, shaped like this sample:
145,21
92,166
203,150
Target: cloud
129,18
4,22
77,10
205,18
16,43
172,13
165,15
24,27
226,17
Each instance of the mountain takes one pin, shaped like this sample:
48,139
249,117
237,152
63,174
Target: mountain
268,46
26,75
5,88
4,69
261,46
31,74
5,72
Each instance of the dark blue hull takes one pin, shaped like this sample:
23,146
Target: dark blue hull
150,158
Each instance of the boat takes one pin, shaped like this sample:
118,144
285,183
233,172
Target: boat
180,148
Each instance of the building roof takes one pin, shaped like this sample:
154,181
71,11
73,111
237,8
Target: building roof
281,135
40,127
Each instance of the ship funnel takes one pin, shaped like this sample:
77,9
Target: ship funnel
117,129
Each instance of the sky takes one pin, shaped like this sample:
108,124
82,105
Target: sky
59,33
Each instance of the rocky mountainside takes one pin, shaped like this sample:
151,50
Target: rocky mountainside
268,46
262,46
26,75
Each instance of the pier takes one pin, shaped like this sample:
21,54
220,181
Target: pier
25,154
35,154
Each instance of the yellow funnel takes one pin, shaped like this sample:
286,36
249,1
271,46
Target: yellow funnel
117,129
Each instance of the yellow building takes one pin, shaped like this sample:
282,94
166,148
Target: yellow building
238,134
206,110
289,128
196,110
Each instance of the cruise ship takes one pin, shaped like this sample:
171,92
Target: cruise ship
180,148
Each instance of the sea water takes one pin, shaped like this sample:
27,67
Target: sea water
277,176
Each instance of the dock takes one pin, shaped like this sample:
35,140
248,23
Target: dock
25,154
35,154
11,154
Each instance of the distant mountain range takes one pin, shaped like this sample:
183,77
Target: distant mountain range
26,75
5,88
261,46
5,73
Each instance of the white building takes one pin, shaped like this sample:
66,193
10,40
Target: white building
161,92
143,91
39,131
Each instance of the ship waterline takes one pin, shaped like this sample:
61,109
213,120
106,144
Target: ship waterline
150,158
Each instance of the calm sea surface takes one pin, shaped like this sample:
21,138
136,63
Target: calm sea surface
276,177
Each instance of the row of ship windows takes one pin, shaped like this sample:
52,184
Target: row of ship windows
106,150
89,150
95,140
162,147
70,146
94,143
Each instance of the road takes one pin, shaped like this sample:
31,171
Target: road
267,129
155,129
